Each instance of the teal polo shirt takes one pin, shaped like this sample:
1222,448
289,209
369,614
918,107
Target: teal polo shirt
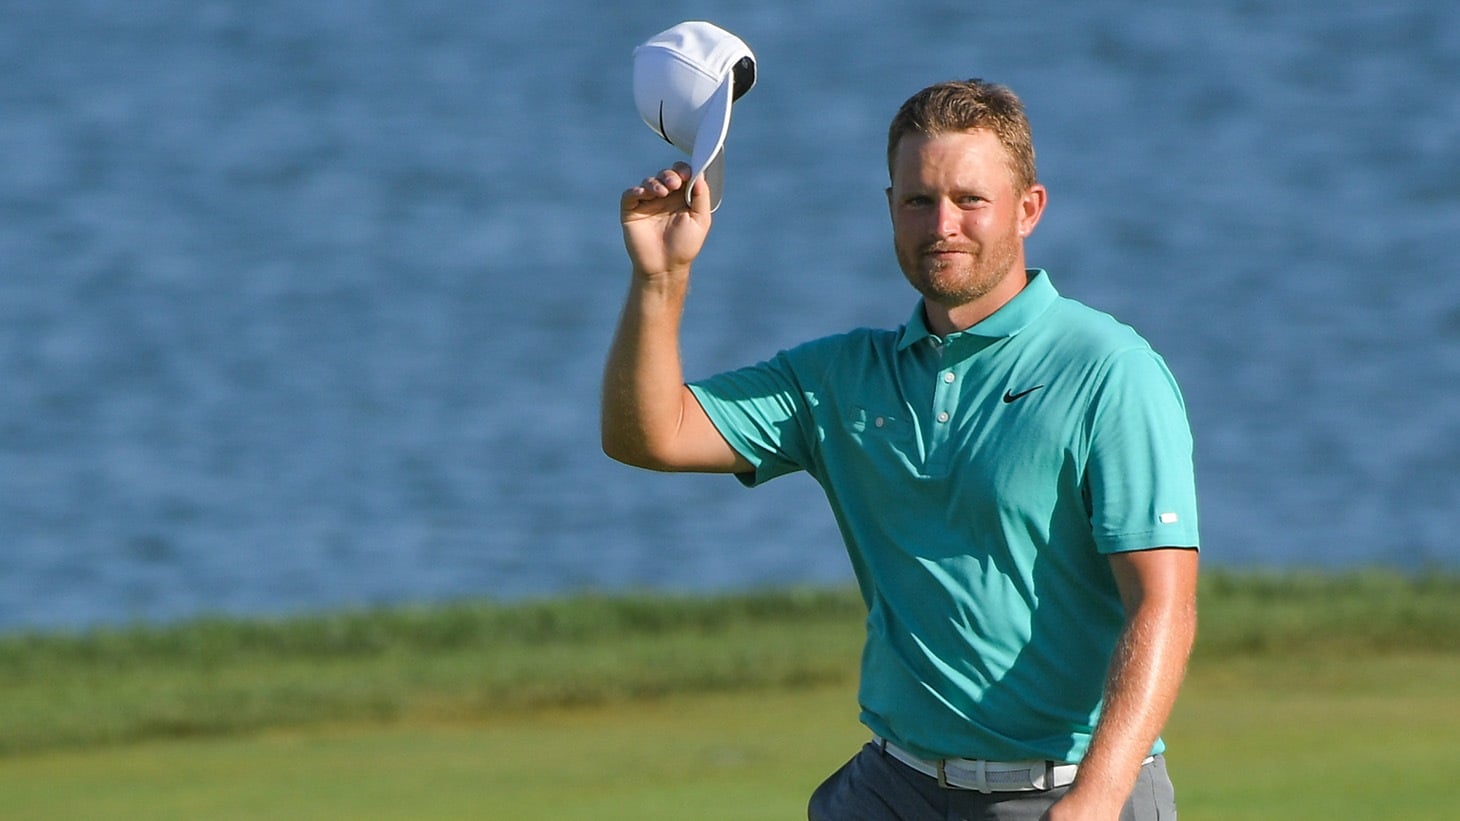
979,480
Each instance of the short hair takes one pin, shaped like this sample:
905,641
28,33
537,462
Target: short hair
967,105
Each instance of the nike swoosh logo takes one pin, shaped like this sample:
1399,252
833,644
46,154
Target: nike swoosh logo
1010,396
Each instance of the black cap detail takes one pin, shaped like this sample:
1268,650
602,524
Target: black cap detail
743,77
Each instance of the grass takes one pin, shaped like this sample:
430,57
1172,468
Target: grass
740,755
1262,738
1309,697
1321,736
216,677
1251,613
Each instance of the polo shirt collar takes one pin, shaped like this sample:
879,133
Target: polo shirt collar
1013,317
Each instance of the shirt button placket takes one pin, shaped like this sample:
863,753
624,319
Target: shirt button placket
944,399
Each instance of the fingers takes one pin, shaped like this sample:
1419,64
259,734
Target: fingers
659,186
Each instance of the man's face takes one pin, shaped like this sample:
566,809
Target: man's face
958,219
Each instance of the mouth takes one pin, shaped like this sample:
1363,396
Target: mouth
945,250
944,253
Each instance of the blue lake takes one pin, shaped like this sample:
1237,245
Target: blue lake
304,306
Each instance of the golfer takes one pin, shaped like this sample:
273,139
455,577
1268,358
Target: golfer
1011,472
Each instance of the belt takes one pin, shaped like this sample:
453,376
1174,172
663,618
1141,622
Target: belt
985,776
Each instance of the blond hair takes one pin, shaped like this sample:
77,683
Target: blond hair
966,106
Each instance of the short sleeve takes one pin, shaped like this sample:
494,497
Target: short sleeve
761,412
1140,475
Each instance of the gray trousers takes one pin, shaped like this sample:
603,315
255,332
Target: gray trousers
874,786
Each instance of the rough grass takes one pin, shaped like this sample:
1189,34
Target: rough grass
215,677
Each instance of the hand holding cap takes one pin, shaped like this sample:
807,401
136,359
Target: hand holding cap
685,81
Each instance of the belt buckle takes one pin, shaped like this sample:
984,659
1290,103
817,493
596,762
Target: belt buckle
1044,780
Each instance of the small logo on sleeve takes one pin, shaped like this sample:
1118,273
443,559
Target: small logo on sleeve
1168,518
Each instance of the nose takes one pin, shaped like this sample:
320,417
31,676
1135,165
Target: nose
948,218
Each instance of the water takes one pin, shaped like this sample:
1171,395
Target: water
304,305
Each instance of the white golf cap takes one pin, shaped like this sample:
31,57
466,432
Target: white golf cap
685,79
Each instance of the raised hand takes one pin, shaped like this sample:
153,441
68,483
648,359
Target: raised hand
662,233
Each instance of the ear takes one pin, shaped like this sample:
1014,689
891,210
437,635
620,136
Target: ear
1031,207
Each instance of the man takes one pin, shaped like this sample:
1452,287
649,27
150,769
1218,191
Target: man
1011,472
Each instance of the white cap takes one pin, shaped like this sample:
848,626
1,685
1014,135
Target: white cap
685,79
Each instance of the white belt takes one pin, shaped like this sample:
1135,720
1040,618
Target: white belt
986,776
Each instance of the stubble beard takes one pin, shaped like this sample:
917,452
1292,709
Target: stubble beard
968,277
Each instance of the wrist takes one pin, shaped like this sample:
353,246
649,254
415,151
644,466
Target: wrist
672,280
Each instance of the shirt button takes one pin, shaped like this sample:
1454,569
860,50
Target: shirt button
949,377
879,421
943,417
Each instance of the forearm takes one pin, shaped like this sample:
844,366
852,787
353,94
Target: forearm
1144,678
650,419
643,383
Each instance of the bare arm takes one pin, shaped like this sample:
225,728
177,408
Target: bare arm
649,418
1158,588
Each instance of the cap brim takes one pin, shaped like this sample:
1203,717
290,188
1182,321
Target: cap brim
708,160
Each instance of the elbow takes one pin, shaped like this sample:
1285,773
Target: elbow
618,453
617,450
631,453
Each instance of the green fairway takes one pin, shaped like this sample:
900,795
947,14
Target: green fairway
1318,737
748,755
1309,697
1293,738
